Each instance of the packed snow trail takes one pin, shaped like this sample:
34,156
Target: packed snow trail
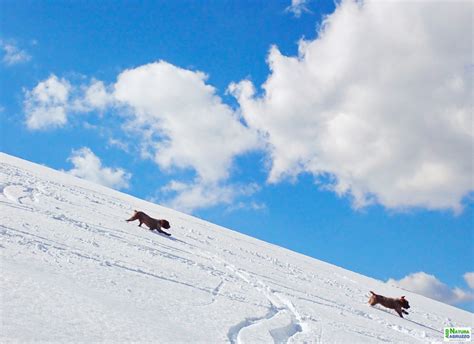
74,271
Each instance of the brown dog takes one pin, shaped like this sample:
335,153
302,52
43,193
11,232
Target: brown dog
150,222
396,304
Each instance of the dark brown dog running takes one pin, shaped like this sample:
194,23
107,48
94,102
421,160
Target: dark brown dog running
150,222
396,304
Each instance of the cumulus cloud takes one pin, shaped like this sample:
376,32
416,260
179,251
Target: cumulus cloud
50,103
378,107
89,166
182,120
94,96
13,55
182,123
297,7
179,120
428,285
46,104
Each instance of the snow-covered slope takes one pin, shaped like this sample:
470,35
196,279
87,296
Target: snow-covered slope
72,270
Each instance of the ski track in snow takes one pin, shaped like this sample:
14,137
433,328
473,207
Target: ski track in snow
238,289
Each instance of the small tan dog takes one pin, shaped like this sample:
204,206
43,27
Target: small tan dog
150,222
396,304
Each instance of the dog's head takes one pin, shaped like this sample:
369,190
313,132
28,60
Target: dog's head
165,224
404,303
373,299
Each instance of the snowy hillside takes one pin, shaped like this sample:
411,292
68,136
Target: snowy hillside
72,270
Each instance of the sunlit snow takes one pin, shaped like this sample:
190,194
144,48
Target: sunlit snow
72,270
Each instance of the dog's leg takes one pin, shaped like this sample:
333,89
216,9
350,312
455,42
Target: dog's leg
163,232
399,312
405,312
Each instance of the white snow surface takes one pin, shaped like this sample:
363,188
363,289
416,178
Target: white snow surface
72,270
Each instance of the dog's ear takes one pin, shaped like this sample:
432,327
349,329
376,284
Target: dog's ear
403,298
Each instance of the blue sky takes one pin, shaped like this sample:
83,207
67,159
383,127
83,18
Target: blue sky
343,132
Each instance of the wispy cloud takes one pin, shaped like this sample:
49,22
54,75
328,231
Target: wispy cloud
250,205
297,7
13,55
113,142
199,194
428,285
89,166
469,278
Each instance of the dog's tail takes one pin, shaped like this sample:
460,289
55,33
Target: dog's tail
372,293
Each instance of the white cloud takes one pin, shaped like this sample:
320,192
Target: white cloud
179,120
50,103
94,96
428,285
252,205
182,121
377,108
200,194
112,142
13,55
297,7
469,278
380,103
88,166
46,105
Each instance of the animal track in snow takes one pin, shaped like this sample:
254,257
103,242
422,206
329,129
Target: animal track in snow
281,322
